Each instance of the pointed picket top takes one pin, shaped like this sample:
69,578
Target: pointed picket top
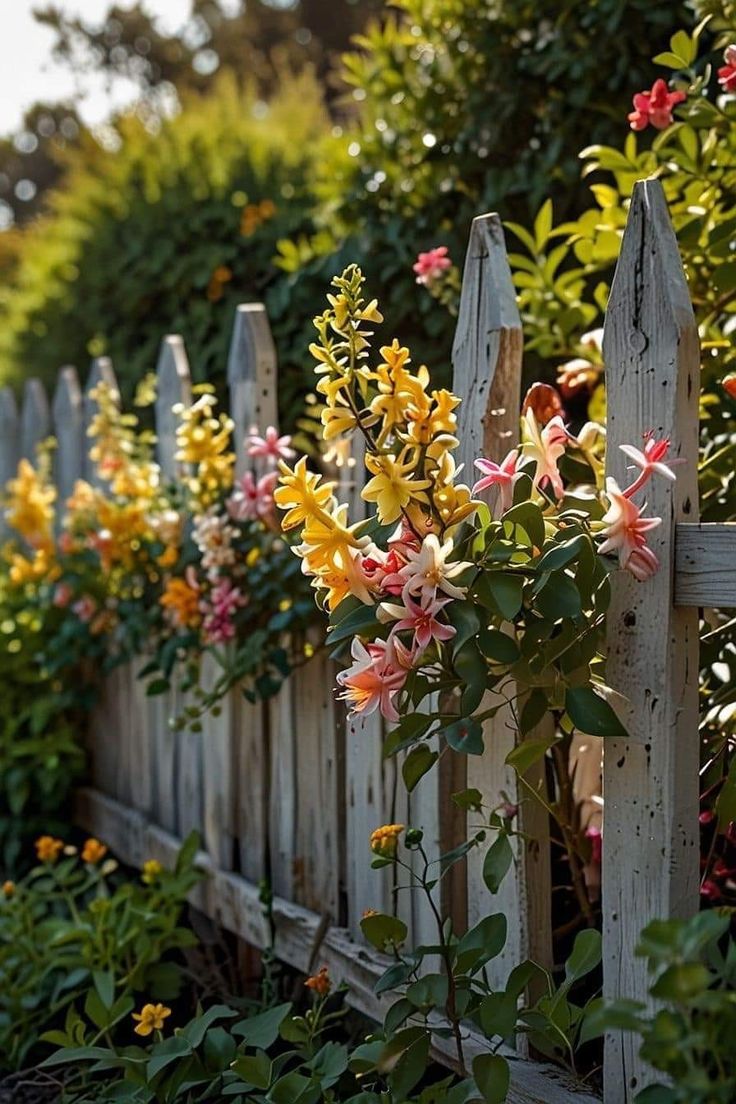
251,375
650,348
35,418
68,431
173,385
487,350
100,371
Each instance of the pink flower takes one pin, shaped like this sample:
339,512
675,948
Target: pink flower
503,476
651,460
545,447
376,676
654,107
594,834
710,890
626,531
85,608
270,445
219,611
727,72
62,595
429,266
252,499
420,618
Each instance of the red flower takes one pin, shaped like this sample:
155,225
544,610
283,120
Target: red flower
710,890
654,107
727,72
729,383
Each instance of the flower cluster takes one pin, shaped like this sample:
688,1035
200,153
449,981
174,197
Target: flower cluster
442,568
655,107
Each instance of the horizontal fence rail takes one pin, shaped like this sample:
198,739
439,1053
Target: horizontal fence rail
288,791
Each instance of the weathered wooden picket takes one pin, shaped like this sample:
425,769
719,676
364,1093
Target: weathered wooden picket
288,792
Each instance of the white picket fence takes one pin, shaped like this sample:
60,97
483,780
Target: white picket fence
288,792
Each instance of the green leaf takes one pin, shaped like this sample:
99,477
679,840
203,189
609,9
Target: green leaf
465,736
492,1076
527,753
498,646
533,711
429,991
419,760
75,1054
585,954
158,686
481,943
682,982
105,985
497,862
469,799
470,667
171,1049
463,616
559,597
255,1069
591,714
262,1031
560,555
497,1014
506,591
384,931
360,621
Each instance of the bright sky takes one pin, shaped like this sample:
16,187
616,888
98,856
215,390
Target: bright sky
28,73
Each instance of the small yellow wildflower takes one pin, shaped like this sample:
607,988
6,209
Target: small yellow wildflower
48,848
151,1018
93,851
8,889
302,494
152,870
393,486
385,840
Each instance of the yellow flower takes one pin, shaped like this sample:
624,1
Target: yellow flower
327,538
152,870
393,486
48,848
8,889
385,840
93,851
30,505
182,603
302,494
36,569
336,421
204,440
168,557
151,1018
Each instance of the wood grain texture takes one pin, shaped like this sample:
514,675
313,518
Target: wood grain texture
69,433
650,833
101,371
141,740
35,418
282,795
303,941
9,444
487,359
173,385
251,376
251,765
705,565
218,783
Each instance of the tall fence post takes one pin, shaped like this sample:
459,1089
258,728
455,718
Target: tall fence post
68,430
650,828
173,385
35,418
487,358
9,445
251,369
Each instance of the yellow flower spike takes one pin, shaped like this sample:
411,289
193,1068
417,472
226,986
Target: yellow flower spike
385,840
151,1018
302,493
392,487
30,502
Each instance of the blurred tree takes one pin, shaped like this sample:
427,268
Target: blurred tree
30,162
255,41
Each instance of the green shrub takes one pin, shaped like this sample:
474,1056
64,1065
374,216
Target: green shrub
464,108
167,233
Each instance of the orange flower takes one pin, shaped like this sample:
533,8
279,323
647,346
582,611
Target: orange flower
181,601
8,889
93,851
48,848
320,982
385,840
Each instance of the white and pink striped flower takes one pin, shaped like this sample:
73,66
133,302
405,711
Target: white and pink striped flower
252,499
420,618
375,677
503,476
